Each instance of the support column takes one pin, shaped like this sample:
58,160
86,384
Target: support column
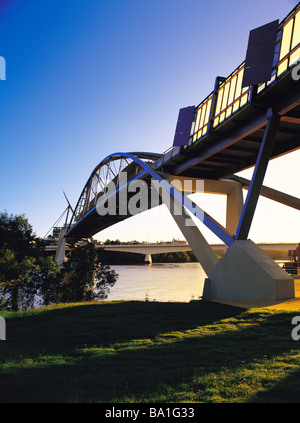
258,176
246,271
148,258
61,246
271,193
232,189
234,208
202,250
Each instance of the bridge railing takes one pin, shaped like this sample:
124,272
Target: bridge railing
228,96
287,50
226,99
166,156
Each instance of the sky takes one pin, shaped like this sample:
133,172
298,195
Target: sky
87,79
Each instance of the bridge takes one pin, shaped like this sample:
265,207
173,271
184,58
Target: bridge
249,118
278,251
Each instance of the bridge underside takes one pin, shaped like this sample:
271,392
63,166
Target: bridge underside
96,223
234,145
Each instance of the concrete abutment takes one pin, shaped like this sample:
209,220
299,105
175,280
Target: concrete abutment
247,272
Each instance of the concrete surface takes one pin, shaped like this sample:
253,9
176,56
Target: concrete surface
247,272
292,304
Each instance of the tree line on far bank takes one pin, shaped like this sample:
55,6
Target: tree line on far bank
28,277
116,257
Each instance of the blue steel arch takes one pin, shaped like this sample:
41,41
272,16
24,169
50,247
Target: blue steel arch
84,198
143,169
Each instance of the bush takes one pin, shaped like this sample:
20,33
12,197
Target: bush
84,278
28,277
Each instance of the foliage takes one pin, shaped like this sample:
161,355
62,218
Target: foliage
28,277
24,267
84,278
121,257
109,242
176,257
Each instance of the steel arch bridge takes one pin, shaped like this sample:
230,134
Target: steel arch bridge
247,120
106,184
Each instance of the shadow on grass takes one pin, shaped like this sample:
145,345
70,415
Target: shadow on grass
61,359
285,391
63,330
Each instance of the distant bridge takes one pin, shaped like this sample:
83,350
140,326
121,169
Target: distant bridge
278,251
250,117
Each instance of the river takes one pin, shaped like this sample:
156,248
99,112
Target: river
158,282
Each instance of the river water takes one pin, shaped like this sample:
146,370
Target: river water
158,282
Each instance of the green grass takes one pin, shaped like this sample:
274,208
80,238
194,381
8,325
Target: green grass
149,352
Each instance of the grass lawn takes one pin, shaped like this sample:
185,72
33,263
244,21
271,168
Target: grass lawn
134,351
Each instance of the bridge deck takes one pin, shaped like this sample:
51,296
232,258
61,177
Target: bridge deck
233,146
229,124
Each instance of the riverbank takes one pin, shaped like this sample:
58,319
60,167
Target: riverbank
133,351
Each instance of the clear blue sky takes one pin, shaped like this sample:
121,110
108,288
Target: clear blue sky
89,78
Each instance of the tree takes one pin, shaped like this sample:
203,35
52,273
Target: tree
24,267
47,281
84,278
28,277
